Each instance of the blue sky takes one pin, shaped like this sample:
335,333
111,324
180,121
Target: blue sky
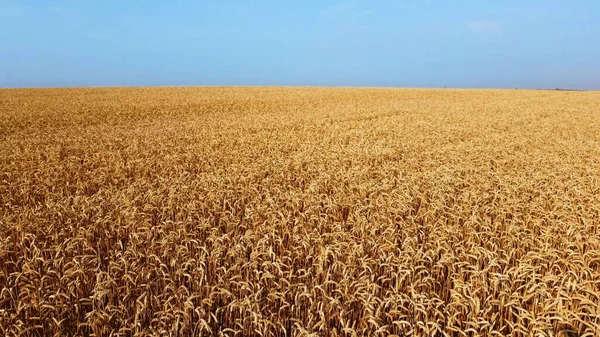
402,43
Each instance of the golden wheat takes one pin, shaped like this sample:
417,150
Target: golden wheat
299,212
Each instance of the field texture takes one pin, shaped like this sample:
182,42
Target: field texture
297,211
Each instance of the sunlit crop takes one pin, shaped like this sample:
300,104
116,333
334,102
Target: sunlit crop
299,211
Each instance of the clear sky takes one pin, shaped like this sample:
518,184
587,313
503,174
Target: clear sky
403,43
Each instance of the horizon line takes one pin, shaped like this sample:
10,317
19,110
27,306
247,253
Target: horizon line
293,86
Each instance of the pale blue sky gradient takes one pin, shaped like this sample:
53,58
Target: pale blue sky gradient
404,43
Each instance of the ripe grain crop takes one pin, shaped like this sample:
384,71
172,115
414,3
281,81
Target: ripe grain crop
299,212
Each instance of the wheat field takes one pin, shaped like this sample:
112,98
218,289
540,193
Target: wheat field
299,212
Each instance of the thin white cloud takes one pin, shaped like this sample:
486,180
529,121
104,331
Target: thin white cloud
485,27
